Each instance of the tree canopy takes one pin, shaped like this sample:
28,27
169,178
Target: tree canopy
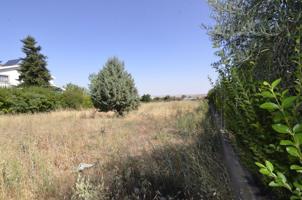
258,42
146,98
33,69
113,88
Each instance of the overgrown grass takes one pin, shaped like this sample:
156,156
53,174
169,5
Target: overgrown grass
163,150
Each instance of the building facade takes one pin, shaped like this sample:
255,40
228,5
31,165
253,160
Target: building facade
9,74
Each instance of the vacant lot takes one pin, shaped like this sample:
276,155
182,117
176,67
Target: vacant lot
162,150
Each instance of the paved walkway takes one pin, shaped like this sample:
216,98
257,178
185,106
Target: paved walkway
242,182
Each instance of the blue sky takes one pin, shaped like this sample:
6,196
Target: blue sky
161,41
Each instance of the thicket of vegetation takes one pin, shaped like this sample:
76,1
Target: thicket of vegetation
113,88
176,98
146,98
76,97
260,41
31,99
40,99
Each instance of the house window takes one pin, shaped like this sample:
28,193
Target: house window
3,79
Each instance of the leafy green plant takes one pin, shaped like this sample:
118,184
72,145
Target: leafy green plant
28,100
146,98
41,99
113,88
76,97
284,109
257,41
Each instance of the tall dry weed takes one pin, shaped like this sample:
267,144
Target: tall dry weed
161,150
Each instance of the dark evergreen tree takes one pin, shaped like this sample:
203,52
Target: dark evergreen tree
113,88
33,70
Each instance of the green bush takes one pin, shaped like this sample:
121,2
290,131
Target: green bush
167,98
113,88
255,45
40,99
146,98
286,123
29,100
76,97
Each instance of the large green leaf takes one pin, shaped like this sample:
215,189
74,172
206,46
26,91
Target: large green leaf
269,106
260,165
298,138
281,177
269,166
286,143
281,128
276,83
274,184
297,168
267,94
297,128
288,102
264,171
292,151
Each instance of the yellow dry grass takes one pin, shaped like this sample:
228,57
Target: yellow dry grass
38,152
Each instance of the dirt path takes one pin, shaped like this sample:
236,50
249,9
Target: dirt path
242,182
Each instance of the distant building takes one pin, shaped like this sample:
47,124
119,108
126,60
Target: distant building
189,98
9,73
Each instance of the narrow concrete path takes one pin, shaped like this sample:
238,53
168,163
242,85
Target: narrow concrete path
242,182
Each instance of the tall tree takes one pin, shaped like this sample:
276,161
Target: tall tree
258,31
33,70
113,88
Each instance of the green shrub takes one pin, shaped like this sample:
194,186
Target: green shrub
146,98
28,100
256,44
286,123
76,97
41,99
113,88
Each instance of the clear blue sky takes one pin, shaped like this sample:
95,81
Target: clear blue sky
161,41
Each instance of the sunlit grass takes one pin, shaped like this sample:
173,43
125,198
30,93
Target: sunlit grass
39,153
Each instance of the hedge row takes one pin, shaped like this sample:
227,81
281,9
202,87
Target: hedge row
37,99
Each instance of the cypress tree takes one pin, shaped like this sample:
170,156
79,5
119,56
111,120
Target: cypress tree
33,70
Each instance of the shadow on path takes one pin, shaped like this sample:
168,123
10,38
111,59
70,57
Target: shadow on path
242,182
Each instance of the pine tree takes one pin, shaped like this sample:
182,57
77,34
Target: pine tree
33,71
113,88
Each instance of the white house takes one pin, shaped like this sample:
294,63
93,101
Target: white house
9,73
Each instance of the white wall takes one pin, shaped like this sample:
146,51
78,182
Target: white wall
12,73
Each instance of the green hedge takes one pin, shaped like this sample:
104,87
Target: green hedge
37,99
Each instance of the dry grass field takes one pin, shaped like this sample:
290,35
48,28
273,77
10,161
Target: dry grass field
161,151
